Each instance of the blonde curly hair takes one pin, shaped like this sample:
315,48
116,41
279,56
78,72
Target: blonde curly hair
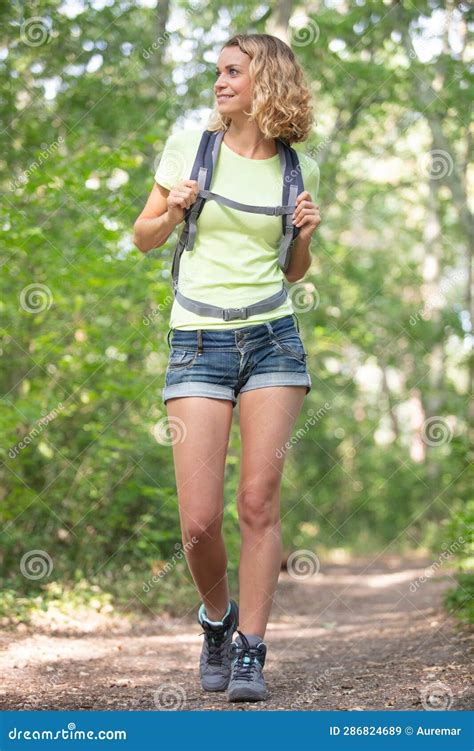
281,104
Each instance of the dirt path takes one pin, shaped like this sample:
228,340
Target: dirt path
352,637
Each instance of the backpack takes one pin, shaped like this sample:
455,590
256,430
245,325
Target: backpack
202,171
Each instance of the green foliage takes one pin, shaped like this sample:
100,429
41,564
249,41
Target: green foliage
54,596
460,600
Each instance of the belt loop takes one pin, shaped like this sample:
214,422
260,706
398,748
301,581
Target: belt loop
199,339
168,338
297,322
270,330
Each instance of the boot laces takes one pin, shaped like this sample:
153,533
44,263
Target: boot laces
244,662
215,643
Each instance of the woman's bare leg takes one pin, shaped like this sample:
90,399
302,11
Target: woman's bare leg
199,459
267,416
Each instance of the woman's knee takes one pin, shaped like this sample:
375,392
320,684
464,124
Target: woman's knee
201,527
259,506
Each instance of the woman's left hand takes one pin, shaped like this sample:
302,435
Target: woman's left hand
306,215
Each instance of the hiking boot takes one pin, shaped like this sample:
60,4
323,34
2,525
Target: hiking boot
214,663
246,680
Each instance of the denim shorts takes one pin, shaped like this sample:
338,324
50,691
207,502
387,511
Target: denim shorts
222,363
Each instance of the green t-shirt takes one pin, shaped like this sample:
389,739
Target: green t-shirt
234,261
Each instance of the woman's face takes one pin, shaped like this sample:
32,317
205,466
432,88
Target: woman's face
233,81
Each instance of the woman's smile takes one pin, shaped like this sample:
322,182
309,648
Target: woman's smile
223,97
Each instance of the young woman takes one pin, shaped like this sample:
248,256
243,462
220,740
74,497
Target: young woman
261,96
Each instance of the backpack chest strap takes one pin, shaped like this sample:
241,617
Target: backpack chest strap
250,208
188,236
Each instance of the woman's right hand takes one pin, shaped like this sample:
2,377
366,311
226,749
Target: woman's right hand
181,197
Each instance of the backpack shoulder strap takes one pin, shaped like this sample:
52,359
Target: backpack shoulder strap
292,186
202,171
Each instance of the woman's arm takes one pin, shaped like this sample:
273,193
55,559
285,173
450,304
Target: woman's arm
307,217
300,259
163,211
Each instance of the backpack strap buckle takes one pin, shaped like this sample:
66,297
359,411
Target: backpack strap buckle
231,314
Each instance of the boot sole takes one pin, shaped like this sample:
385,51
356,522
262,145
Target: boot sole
245,695
214,690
